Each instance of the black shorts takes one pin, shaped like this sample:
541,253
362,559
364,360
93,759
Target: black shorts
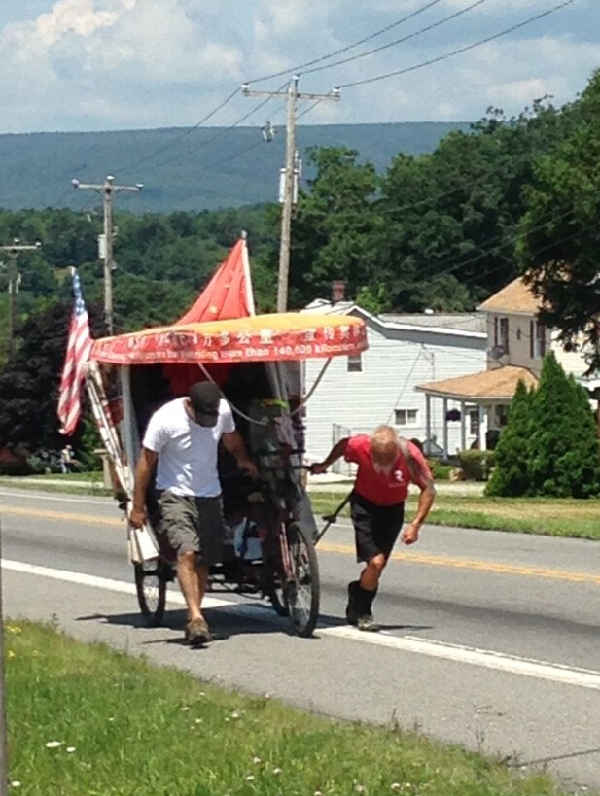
376,528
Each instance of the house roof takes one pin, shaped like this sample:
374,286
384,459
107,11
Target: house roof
462,325
516,297
464,321
494,384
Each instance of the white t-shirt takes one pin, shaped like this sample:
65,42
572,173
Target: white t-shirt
187,452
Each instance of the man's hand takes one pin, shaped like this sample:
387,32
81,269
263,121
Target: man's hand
410,534
318,468
138,517
249,466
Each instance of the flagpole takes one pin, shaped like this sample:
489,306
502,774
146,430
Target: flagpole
247,275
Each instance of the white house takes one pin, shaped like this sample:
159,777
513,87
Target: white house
357,394
517,344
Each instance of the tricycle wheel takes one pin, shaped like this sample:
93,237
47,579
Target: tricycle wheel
151,587
303,594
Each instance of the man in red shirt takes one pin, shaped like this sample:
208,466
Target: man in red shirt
387,464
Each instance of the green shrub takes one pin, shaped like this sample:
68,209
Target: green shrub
14,468
476,464
511,477
549,447
441,472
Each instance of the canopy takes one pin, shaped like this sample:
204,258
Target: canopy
258,338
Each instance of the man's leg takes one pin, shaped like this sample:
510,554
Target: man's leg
202,581
369,577
178,520
189,581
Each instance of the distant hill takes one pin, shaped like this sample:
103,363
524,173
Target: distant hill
201,169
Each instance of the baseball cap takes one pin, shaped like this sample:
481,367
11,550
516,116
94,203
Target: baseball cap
205,398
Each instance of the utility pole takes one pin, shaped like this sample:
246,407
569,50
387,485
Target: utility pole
12,251
106,251
293,96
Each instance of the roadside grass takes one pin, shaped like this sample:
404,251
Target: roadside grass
85,719
541,516
92,476
93,489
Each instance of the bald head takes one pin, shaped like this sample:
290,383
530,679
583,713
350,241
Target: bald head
385,448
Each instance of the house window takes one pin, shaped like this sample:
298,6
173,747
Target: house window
354,363
537,341
501,415
406,417
473,421
540,341
504,334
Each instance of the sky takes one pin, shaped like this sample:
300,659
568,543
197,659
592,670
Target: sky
72,65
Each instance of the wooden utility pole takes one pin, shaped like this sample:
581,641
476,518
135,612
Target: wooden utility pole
3,744
290,184
12,251
106,251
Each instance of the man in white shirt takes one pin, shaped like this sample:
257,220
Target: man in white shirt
183,435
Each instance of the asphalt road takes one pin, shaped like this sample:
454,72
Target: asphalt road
489,640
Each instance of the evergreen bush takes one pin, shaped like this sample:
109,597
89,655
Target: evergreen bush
550,446
510,477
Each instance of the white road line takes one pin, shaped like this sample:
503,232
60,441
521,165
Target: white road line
488,659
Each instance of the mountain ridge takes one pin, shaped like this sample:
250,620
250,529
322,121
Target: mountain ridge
190,169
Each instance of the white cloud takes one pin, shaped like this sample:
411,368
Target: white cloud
90,64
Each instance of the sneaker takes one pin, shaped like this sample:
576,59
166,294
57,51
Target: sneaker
352,607
367,623
197,632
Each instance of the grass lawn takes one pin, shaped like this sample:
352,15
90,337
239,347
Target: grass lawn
542,516
92,476
84,719
37,484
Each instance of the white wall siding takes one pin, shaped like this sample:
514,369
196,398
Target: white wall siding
392,367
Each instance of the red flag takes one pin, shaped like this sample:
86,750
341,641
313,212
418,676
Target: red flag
229,294
73,375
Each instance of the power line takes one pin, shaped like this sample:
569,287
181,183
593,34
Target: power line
347,48
398,41
460,50
184,134
510,239
291,70
221,132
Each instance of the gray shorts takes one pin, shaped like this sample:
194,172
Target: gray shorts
193,525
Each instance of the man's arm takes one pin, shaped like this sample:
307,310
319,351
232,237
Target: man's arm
143,474
338,450
234,443
426,498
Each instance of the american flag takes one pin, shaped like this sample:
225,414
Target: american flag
74,369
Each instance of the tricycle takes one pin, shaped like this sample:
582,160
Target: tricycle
256,361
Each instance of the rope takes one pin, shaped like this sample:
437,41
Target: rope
291,414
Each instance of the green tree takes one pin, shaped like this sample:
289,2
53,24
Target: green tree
510,477
29,381
455,212
334,229
560,236
564,456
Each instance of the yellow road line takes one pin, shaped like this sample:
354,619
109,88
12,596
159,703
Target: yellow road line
48,514
480,566
426,559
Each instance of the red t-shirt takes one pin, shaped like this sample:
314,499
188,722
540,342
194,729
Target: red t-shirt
384,489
